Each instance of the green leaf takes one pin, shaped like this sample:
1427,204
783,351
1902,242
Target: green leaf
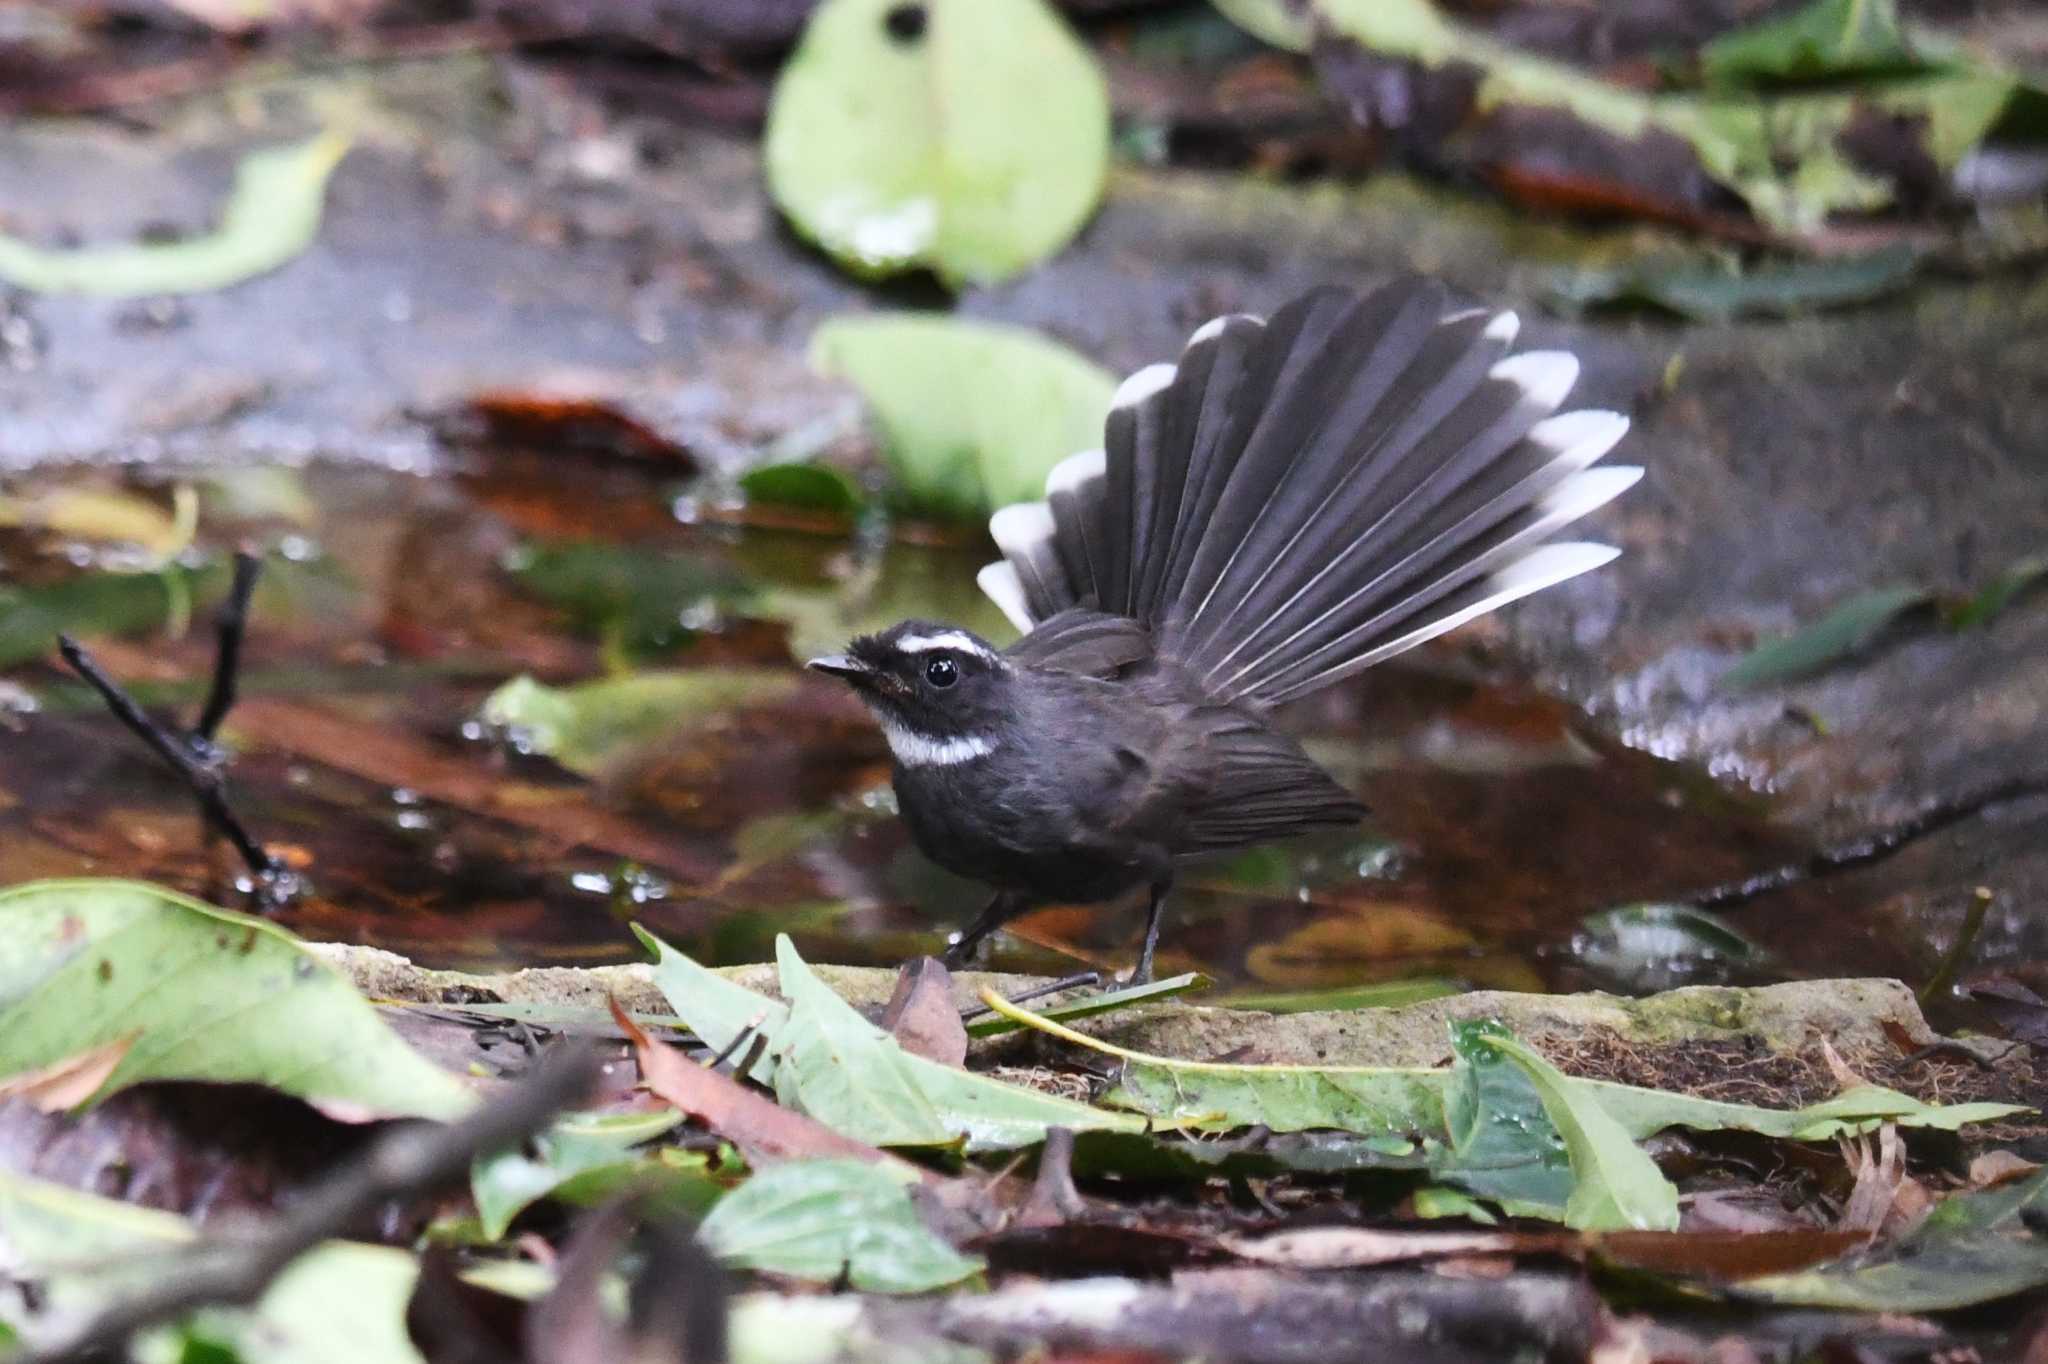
811,487
271,215
1828,39
1971,1249
340,1303
1842,632
818,1219
971,415
1641,949
1718,294
213,995
713,1007
850,1075
1093,1005
587,726
904,584
1280,23
1999,593
972,139
1502,1144
1392,994
1615,1185
99,604
507,1183
626,594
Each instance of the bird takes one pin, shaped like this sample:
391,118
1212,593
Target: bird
1295,499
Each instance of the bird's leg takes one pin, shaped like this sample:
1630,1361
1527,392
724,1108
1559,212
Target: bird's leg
1001,909
1143,974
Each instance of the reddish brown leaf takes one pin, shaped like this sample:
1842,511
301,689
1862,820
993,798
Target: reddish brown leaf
921,1013
574,426
1724,1256
762,1129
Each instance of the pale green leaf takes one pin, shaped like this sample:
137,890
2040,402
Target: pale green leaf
968,136
506,1183
1842,632
714,1008
853,1077
585,727
819,1219
213,995
271,215
971,415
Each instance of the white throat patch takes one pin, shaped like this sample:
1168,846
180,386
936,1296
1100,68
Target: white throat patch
921,750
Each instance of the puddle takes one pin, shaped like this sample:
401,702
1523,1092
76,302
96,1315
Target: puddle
392,605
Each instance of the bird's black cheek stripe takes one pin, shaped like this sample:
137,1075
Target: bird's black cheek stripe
906,23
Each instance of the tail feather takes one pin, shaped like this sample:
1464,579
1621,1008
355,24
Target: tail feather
1300,498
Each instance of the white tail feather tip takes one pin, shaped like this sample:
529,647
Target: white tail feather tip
1000,584
1141,386
1544,376
1075,472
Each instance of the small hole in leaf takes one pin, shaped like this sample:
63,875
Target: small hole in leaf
906,23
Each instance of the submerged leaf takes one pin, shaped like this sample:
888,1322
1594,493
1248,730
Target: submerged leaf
213,995
586,726
1844,631
898,135
1715,295
821,1219
271,215
810,487
971,415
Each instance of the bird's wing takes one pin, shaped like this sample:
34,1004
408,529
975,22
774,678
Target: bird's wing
1084,643
1260,787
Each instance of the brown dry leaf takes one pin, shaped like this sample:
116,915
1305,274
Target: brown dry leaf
1361,1247
1998,1167
1724,1256
762,1129
1880,1174
922,1016
64,1085
1843,1074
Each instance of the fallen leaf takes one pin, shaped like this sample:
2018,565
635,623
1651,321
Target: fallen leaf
762,1129
272,214
921,1015
200,994
66,1084
1842,632
972,415
1364,1247
1993,1168
894,140
588,727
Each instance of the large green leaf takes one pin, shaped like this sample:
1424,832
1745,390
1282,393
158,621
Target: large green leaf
209,995
1615,1185
847,1073
853,1077
819,1219
1501,1144
340,1303
969,136
1828,39
971,415
271,215
586,726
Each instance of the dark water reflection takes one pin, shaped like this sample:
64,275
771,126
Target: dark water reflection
400,603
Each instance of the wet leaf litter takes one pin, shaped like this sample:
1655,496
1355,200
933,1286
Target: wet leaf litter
506,721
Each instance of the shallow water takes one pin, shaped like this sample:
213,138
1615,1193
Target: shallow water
392,604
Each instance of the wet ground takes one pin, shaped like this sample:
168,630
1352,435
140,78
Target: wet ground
497,229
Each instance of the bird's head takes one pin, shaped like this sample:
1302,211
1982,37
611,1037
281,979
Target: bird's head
940,693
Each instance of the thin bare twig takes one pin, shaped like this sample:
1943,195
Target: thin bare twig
408,1161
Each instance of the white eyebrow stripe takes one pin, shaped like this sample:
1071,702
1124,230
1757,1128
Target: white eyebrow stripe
921,750
945,639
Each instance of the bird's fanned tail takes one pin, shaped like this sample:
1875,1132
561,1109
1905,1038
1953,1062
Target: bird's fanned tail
1301,497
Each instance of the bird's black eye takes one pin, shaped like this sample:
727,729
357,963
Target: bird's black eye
941,672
